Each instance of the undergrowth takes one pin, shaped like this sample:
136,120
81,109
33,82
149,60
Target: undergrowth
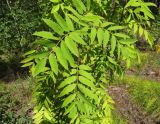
149,61
146,94
15,102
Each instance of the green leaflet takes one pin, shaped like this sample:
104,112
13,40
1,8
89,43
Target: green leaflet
140,31
88,4
55,1
80,106
61,22
121,35
29,52
91,17
45,34
74,12
71,46
87,92
147,12
150,4
105,24
54,26
39,55
127,41
67,54
27,64
112,60
77,20
78,121
68,100
85,67
52,76
61,58
113,44
69,23
77,38
106,38
135,28
55,8
86,82
45,42
87,75
69,109
100,35
79,5
67,89
67,81
40,67
27,60
112,28
53,63
93,35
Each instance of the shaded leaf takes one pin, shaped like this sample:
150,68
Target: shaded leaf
61,58
53,63
68,100
67,90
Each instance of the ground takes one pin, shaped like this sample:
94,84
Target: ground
136,96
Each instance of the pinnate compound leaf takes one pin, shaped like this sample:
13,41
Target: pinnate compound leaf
67,81
68,100
61,58
67,90
53,63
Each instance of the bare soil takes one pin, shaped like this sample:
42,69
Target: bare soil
128,109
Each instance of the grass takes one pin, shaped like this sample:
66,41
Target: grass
145,93
15,101
118,119
150,61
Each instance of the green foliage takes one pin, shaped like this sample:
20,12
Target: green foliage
16,25
15,105
146,94
71,72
